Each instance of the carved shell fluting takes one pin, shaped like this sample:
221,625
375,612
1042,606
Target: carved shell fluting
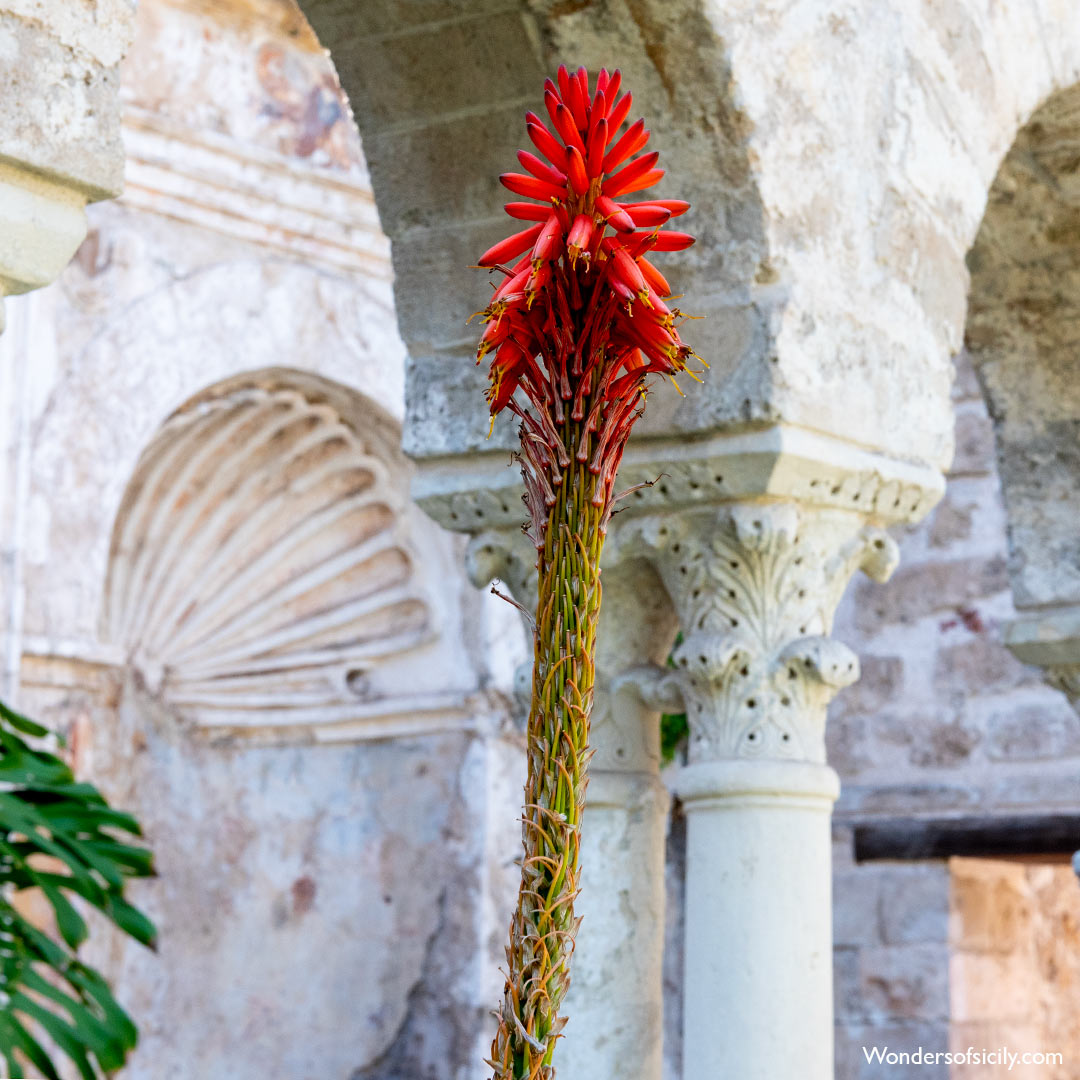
257,571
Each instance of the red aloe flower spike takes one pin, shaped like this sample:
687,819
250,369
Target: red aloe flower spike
656,280
549,241
652,177
572,333
647,215
619,182
552,101
674,206
626,270
563,75
633,139
580,236
511,246
577,100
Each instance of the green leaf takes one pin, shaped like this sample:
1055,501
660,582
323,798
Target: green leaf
62,1034
69,922
132,921
14,1036
22,723
106,1045
44,811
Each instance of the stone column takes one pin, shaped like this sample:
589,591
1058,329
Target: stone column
615,1003
756,585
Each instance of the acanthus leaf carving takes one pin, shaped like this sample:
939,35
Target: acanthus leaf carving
756,586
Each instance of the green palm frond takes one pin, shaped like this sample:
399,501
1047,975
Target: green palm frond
63,838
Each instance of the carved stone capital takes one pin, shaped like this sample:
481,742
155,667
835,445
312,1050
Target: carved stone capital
756,586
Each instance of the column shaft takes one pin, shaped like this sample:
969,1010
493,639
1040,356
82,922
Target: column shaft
758,984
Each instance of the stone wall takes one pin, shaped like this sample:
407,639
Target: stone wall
1015,965
943,720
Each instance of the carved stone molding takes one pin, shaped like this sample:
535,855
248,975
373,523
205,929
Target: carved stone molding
756,586
479,492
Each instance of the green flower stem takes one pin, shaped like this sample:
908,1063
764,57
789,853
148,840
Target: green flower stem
543,927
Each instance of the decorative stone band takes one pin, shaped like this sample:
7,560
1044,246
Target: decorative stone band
1050,639
480,491
800,784
756,586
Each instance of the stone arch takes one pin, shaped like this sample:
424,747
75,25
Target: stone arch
439,92
839,163
261,572
1023,332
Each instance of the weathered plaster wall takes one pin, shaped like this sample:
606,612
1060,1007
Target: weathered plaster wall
329,904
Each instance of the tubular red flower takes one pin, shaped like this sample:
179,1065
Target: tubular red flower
529,186
615,214
511,246
618,113
541,170
632,141
619,182
543,140
580,236
575,171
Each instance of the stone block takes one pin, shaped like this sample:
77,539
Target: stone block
980,665
1034,732
457,64
848,1003
974,442
966,382
59,114
950,522
917,591
907,798
446,409
914,904
864,1052
856,919
992,987
990,906
446,173
880,680
342,20
437,289
943,741
908,982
